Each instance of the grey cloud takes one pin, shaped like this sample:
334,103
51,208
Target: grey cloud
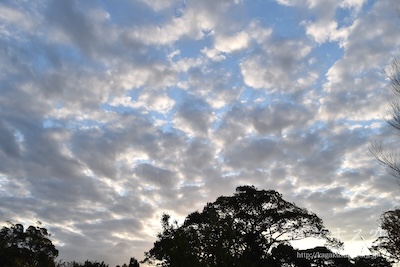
199,154
8,143
155,175
356,79
252,153
277,117
70,19
194,115
235,124
94,171
277,65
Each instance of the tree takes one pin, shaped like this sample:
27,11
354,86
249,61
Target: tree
87,263
390,158
133,263
286,255
371,261
31,248
238,230
389,244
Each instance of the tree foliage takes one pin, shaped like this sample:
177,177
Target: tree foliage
238,230
389,244
87,263
286,255
31,247
371,261
133,262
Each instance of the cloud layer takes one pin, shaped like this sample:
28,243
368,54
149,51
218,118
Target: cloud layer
113,113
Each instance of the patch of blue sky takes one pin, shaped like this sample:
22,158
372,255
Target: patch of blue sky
143,161
123,110
134,93
326,54
344,17
231,174
60,54
286,24
122,14
122,192
51,124
250,95
318,125
58,105
348,170
19,136
361,123
368,5
177,94
231,65
190,48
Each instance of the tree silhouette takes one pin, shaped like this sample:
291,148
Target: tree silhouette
31,248
133,262
238,230
389,244
87,263
286,255
370,261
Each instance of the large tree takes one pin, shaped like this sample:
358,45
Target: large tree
31,247
238,230
389,244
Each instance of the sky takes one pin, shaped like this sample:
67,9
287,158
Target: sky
114,112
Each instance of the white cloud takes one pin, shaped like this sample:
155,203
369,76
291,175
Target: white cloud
213,53
229,44
158,5
155,101
323,31
13,16
357,4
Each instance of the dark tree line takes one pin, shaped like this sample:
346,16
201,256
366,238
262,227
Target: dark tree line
252,228
32,247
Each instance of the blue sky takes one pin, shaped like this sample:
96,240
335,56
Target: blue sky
113,112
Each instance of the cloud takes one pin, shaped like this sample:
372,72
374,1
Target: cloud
252,153
276,66
232,43
194,117
357,76
112,114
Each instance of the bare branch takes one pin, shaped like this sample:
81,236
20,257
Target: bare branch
387,158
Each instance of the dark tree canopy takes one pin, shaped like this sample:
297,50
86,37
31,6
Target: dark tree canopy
371,261
389,244
238,230
87,263
286,255
31,247
133,263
